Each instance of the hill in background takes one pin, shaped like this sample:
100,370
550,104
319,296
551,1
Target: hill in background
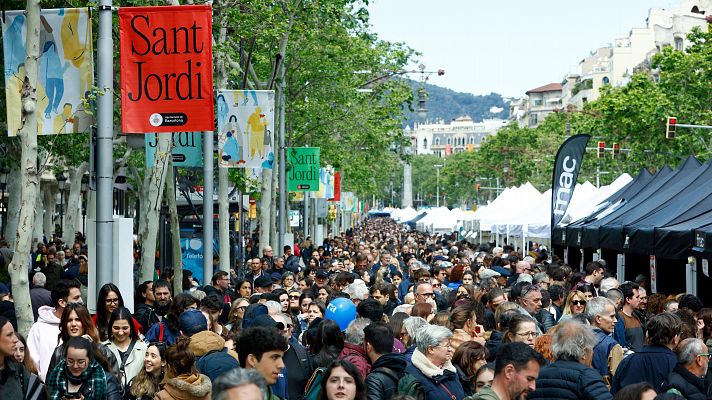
445,104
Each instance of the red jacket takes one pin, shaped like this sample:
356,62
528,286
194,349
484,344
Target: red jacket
355,354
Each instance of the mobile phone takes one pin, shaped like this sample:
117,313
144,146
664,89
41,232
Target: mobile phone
478,329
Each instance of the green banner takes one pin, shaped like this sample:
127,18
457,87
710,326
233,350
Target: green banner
303,169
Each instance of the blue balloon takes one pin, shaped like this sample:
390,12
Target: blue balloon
342,311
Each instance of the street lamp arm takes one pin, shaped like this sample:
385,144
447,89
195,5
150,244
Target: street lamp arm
389,74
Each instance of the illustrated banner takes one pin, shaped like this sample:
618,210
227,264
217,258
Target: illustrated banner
245,128
166,69
65,70
348,201
326,184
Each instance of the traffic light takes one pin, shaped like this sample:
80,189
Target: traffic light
670,127
601,149
616,150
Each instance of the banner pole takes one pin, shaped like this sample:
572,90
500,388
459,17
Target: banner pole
282,223
104,148
207,207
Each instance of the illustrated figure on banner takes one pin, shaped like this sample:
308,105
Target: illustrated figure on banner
257,132
245,137
65,70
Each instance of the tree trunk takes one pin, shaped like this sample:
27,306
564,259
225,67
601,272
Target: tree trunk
265,207
30,180
14,189
73,202
153,186
170,196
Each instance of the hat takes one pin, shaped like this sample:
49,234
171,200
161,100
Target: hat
418,265
263,320
502,271
440,258
486,273
192,322
4,289
445,264
524,278
84,257
322,273
263,282
276,277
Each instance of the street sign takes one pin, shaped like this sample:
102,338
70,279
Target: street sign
303,169
187,148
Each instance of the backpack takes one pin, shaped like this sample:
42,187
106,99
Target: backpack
311,392
410,386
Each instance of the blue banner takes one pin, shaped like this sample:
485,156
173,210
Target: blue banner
187,148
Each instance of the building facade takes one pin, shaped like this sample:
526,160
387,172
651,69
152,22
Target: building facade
459,135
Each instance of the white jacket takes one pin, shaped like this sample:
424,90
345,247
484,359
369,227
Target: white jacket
134,361
43,339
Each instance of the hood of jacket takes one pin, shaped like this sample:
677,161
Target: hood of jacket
427,367
394,361
204,342
46,315
486,393
352,350
187,387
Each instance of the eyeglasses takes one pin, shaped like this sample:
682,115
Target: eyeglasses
241,308
579,302
436,285
708,355
293,297
112,301
77,363
431,294
526,334
447,345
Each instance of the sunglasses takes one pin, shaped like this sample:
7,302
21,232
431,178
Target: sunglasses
294,297
579,302
282,327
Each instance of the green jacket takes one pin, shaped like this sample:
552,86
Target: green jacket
486,393
272,396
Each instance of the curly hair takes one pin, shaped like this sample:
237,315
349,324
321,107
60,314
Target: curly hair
180,359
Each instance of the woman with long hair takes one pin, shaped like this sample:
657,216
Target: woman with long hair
328,343
423,310
468,359
22,354
237,314
147,383
575,304
342,381
305,300
124,342
78,375
183,381
244,288
76,322
108,300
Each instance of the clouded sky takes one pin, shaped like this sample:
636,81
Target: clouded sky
507,47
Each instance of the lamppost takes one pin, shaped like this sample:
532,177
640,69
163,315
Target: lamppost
61,183
437,193
4,171
85,194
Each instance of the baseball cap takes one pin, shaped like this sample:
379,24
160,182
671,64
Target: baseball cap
322,273
192,322
263,320
502,271
440,258
486,273
276,276
4,289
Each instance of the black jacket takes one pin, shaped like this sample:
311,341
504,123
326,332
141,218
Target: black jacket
13,380
690,386
382,382
146,316
651,364
300,369
545,319
569,380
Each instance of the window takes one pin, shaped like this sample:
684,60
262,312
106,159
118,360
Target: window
533,120
437,141
538,102
425,143
449,140
679,44
472,140
605,80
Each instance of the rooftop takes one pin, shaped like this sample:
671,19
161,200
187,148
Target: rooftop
552,87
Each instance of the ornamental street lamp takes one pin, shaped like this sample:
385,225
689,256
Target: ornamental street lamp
61,183
4,171
85,192
437,192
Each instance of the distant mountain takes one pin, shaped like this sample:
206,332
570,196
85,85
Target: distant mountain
446,104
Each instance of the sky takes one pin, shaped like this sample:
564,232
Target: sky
506,47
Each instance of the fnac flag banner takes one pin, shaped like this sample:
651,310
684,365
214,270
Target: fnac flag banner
566,169
65,70
166,69
245,128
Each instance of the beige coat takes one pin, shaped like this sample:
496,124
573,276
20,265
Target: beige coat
186,387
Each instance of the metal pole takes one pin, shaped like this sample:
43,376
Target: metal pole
207,207
282,222
105,148
240,239
305,217
61,213
437,193
598,176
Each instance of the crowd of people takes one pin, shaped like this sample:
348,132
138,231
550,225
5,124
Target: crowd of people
377,312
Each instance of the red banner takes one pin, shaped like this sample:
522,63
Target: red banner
337,187
166,69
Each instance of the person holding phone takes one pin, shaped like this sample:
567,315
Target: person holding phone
463,320
78,375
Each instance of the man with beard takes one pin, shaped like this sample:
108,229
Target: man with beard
155,298
515,372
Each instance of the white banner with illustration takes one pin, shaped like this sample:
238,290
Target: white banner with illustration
245,128
326,183
65,70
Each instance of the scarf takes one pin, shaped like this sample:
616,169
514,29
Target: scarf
93,378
